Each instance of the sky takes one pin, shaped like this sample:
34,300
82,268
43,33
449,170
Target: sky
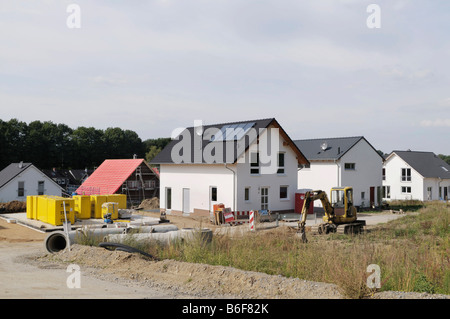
158,65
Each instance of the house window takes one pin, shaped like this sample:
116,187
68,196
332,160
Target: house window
406,189
247,194
264,198
429,193
363,195
384,174
284,192
214,194
168,198
254,163
406,174
280,163
386,191
349,166
40,187
21,189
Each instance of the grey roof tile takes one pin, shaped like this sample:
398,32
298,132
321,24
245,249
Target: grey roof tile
335,148
426,164
165,156
11,171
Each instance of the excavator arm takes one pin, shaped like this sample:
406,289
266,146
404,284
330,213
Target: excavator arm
311,196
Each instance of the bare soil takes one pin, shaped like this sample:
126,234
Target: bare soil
28,271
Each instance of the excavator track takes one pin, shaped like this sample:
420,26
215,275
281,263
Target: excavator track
352,228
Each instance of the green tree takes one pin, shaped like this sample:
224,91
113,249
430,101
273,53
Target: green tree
152,152
88,147
13,139
122,144
446,158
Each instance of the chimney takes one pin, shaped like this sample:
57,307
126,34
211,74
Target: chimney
21,164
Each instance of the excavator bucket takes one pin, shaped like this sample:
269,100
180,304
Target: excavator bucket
302,234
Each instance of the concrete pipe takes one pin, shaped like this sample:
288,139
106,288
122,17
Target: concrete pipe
163,238
59,240
152,229
204,234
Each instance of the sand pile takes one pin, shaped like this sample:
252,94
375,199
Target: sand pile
150,203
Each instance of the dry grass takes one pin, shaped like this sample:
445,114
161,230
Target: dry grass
412,253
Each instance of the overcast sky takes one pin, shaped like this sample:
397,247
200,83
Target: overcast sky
153,66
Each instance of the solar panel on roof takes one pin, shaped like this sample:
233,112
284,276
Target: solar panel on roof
231,132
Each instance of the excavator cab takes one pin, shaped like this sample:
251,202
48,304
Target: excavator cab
342,201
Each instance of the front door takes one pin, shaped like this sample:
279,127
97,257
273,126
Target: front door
186,200
264,198
372,196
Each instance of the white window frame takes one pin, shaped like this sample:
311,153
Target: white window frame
406,189
405,174
255,169
247,192
21,190
287,192
281,170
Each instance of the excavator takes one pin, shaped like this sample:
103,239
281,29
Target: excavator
340,214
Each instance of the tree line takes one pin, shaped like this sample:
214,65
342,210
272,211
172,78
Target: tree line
48,145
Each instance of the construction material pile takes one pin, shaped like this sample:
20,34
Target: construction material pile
56,210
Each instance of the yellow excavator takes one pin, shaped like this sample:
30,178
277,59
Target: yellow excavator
340,214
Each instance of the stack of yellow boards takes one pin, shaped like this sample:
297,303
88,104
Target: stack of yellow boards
55,209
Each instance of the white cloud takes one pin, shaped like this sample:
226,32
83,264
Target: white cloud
435,123
109,80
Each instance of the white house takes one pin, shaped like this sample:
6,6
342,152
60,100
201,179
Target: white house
415,175
249,165
344,161
19,180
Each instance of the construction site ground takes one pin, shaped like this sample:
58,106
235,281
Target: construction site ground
28,271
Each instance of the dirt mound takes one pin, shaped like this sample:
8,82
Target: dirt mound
199,280
150,203
14,206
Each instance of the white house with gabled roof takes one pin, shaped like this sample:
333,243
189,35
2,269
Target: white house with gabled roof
342,161
228,164
415,175
19,180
